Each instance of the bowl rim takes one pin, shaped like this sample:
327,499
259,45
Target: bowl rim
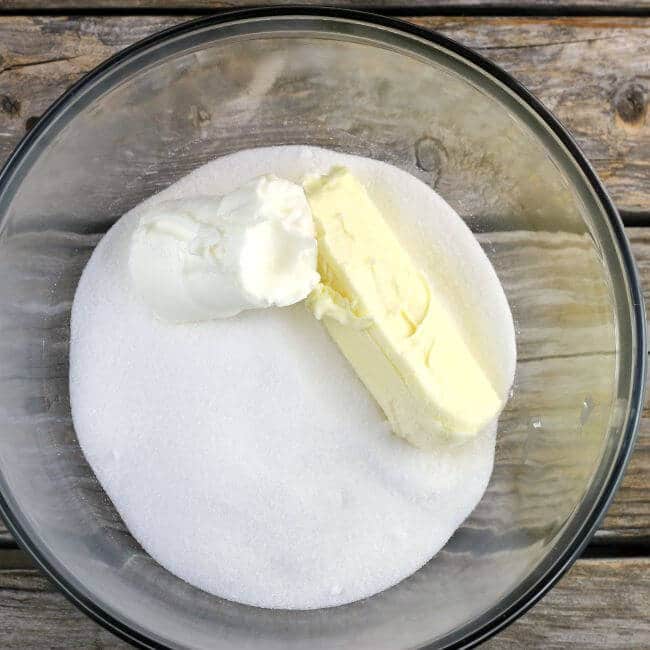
588,527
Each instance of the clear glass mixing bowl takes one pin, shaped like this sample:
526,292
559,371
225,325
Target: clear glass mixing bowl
365,85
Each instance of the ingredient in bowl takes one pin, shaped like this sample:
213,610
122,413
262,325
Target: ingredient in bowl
254,435
203,258
389,321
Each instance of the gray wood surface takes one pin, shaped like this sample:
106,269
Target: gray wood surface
562,60
34,614
597,604
502,6
593,72
628,518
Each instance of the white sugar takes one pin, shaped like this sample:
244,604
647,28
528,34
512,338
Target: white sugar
244,454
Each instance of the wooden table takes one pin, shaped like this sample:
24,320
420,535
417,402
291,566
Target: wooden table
589,63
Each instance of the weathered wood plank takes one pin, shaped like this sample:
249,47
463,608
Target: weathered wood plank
603,106
628,518
599,603
560,59
539,6
34,614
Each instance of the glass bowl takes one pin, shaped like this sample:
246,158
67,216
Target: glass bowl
359,84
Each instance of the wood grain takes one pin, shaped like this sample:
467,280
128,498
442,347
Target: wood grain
628,518
599,603
501,6
603,106
34,614
559,59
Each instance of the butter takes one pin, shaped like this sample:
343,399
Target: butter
386,318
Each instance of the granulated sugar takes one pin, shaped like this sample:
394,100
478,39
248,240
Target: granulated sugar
244,454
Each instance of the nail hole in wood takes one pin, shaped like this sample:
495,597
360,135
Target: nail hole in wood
630,103
9,105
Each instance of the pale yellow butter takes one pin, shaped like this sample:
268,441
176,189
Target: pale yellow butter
387,320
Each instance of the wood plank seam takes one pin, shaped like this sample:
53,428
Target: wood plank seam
442,8
598,603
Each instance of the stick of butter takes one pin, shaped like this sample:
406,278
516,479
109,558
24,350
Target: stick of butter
385,317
